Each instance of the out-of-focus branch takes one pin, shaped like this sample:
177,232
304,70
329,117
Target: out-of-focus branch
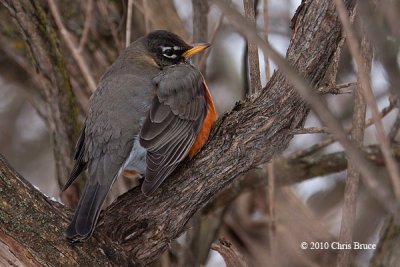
231,255
170,19
204,56
337,89
365,84
129,23
86,26
395,128
47,57
353,176
252,52
289,172
382,39
200,27
68,38
330,140
102,7
266,30
146,16
387,252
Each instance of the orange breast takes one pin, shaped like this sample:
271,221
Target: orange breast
209,120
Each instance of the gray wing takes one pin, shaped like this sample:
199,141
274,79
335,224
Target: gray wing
173,122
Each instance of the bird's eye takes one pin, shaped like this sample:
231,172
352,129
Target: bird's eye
168,52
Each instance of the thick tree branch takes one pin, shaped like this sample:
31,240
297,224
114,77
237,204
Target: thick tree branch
32,225
254,131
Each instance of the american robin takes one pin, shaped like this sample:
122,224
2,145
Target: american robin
151,110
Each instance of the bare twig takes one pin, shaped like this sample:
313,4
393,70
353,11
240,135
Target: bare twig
205,55
129,23
330,140
72,46
378,34
310,130
337,89
303,88
266,29
270,165
102,7
395,128
231,255
255,81
364,81
146,16
86,27
353,176
200,26
271,208
289,172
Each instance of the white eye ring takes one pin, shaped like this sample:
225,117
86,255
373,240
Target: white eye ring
169,56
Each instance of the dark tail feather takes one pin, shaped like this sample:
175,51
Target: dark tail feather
87,212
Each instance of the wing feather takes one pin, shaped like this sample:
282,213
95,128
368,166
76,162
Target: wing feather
174,120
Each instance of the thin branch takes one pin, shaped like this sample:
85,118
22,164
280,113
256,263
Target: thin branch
395,128
378,34
317,104
271,208
144,10
114,31
337,89
205,55
255,80
71,45
330,140
129,23
289,172
364,81
353,176
86,27
310,130
200,27
266,30
270,165
146,16
230,254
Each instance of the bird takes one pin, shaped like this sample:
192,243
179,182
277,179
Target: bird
151,110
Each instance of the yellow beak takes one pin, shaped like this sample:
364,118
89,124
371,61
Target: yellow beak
195,49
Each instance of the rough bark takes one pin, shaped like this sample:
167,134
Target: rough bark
139,227
32,229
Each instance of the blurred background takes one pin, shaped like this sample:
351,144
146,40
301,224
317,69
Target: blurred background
306,211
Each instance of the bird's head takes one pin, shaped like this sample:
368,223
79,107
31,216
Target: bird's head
168,48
